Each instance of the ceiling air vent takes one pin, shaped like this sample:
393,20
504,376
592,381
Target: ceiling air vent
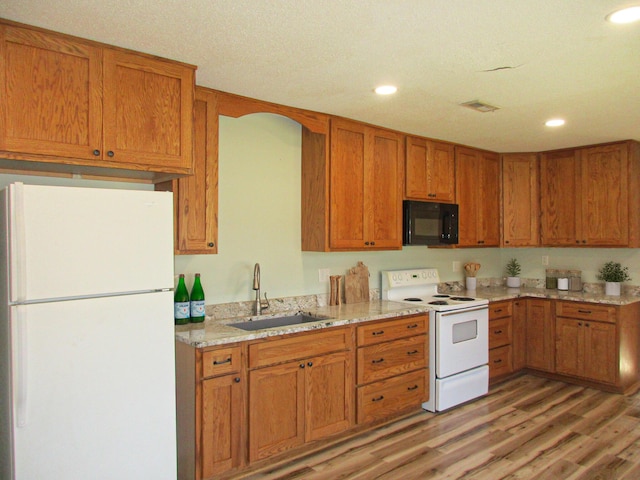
478,106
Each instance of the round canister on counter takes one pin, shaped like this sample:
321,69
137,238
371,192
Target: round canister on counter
551,279
575,280
563,282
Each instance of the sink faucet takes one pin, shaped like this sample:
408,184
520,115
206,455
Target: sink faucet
259,304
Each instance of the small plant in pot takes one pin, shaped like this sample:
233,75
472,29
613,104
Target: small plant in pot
613,274
513,270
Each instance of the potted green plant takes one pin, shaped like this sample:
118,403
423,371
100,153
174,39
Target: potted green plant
513,272
613,274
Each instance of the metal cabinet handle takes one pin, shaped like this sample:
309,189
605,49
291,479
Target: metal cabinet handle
228,360
110,153
310,364
302,365
211,244
415,387
585,311
237,379
413,325
497,332
499,360
413,352
377,399
379,332
380,360
96,152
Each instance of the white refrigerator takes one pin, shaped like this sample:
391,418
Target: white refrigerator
87,370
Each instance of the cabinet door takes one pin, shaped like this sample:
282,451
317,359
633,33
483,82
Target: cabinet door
559,189
276,409
519,343
148,111
222,424
467,194
604,195
51,88
489,201
329,395
601,352
540,335
569,346
347,184
520,200
197,194
383,191
430,173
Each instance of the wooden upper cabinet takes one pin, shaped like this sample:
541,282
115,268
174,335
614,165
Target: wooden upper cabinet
51,88
477,193
520,200
352,188
430,170
68,101
148,110
589,198
196,196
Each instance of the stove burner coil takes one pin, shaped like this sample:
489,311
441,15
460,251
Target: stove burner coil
413,299
438,302
441,295
463,299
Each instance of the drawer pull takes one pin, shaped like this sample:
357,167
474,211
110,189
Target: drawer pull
302,365
413,352
415,387
497,332
499,360
498,310
586,324
377,399
378,361
310,364
237,379
585,311
579,324
379,332
228,360
413,325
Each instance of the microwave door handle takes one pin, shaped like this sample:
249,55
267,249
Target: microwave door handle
446,226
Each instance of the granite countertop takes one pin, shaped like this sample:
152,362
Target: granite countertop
218,332
494,294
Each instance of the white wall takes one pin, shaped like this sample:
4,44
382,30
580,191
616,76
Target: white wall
259,221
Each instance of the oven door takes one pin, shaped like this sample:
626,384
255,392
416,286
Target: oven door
462,340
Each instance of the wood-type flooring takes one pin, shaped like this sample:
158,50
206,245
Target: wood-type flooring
525,428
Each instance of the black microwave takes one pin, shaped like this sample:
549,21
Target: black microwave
427,223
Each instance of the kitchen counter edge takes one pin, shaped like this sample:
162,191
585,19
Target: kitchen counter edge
216,332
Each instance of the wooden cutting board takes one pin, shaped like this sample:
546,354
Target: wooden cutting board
356,284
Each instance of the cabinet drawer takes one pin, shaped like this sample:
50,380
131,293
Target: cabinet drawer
586,311
500,309
270,352
392,329
499,332
388,397
221,361
387,359
500,361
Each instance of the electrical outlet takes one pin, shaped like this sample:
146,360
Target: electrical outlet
545,260
323,275
456,267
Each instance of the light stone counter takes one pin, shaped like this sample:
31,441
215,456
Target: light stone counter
494,294
218,332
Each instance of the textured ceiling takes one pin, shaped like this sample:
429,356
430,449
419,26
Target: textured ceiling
328,55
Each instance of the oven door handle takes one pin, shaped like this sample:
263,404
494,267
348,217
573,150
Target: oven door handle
459,311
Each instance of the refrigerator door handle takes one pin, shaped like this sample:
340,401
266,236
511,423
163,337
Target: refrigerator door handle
21,368
18,258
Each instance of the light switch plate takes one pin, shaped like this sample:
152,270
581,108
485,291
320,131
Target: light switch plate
323,275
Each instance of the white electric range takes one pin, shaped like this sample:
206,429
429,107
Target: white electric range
458,335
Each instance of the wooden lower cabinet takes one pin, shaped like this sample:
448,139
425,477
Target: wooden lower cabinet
392,367
500,338
211,404
540,333
306,397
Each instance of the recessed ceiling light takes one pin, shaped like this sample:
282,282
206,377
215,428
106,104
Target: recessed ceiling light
626,15
386,90
555,122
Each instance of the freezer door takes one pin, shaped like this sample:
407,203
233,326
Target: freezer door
69,241
94,388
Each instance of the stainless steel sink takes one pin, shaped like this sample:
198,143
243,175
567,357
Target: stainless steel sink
273,322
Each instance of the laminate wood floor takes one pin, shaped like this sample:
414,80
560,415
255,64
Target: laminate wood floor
525,428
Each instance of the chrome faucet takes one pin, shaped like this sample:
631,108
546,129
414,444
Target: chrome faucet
259,304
